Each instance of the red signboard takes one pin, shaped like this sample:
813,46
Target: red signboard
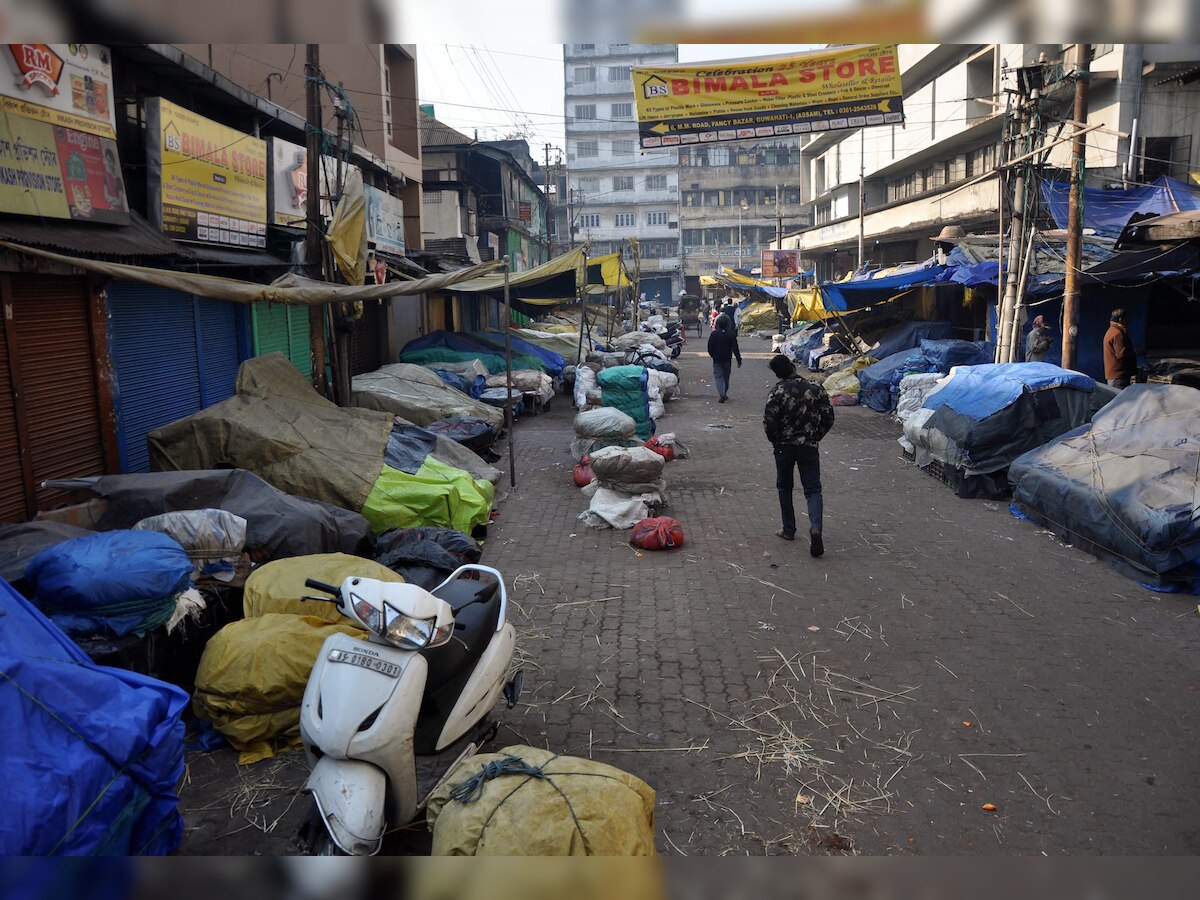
91,176
525,211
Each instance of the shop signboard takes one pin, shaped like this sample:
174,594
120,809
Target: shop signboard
208,182
289,183
385,221
69,85
823,90
780,263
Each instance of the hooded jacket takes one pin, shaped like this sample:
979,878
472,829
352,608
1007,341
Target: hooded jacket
722,343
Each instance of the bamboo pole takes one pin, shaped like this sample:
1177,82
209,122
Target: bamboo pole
508,404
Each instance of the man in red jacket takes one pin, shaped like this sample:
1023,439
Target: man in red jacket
1120,359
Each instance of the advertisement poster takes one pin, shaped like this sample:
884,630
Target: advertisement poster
91,176
823,90
208,183
780,263
289,183
385,221
69,85
31,181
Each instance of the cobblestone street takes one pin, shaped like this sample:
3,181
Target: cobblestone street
942,656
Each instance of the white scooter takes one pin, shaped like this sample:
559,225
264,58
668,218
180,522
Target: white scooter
385,720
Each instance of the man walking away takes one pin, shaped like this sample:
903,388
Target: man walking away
723,347
1120,359
797,416
1037,343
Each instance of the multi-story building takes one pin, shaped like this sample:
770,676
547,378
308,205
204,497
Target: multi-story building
924,174
615,190
734,200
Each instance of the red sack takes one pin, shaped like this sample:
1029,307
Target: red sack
659,533
583,475
667,453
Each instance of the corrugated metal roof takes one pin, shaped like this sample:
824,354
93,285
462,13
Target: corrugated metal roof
231,257
439,134
139,238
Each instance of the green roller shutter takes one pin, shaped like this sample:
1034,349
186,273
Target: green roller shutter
283,329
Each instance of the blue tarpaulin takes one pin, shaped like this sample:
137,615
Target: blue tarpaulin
92,755
1109,211
553,362
865,290
980,391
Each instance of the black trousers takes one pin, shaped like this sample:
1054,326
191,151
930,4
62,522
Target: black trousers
807,460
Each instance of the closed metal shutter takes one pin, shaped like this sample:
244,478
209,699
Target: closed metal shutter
58,379
220,347
12,481
283,329
154,355
300,339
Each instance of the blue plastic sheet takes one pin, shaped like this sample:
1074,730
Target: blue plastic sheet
552,363
1109,211
980,391
472,388
92,755
865,291
877,382
908,336
111,583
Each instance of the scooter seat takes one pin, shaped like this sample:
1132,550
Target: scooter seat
475,624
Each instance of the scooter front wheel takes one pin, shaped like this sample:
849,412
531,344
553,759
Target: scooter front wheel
315,839
676,350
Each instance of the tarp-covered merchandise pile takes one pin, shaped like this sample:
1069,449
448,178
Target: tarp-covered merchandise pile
880,383
487,347
525,801
277,426
527,381
92,755
981,418
1124,487
419,395
254,671
625,388
628,487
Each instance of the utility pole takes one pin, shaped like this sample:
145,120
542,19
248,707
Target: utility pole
312,213
778,218
862,192
1070,337
1015,236
546,199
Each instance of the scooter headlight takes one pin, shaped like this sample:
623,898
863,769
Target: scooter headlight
405,631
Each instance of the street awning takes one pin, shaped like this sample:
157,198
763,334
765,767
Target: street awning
289,289
561,277
138,238
607,270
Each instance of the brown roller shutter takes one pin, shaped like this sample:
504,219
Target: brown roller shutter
57,379
12,481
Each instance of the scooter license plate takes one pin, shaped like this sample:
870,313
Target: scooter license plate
367,662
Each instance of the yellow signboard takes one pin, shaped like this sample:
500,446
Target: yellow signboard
844,87
211,180
31,181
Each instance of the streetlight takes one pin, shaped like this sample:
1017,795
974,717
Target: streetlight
741,210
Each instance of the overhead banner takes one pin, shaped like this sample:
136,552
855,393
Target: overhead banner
69,85
59,173
824,90
208,183
780,263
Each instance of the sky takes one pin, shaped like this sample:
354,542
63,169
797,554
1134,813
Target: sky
502,88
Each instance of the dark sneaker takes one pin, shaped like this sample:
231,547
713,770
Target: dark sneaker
816,545
723,399
786,535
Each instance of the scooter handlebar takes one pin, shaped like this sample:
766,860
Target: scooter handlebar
322,586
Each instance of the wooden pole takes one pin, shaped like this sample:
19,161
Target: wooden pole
312,214
508,404
1070,336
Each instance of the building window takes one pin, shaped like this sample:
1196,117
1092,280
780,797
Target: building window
587,149
581,47
585,75
585,111
658,217
622,110
623,183
624,220
589,186
656,182
620,73
1167,156
622,148
589,220
692,198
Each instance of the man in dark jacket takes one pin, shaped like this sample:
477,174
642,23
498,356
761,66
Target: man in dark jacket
723,347
1120,359
797,416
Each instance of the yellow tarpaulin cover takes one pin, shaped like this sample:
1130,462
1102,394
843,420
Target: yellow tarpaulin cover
560,265
578,808
610,269
708,280
293,290
252,676
808,306
278,586
348,231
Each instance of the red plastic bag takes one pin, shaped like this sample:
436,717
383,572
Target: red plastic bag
667,453
583,475
658,533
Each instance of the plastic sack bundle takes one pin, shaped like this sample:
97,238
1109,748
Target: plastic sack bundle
278,586
213,538
527,381
524,801
625,387
615,509
92,754
252,677
585,385
112,583
602,427
436,494
845,381
440,548
632,470
666,382
668,446
660,533
913,391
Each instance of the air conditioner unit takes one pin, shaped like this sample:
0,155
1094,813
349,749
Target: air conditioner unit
672,224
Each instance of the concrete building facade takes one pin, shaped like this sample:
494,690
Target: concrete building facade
616,191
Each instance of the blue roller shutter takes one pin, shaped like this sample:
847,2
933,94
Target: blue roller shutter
173,354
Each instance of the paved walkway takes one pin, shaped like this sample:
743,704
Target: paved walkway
941,657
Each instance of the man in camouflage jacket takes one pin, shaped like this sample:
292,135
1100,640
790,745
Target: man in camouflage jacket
797,416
